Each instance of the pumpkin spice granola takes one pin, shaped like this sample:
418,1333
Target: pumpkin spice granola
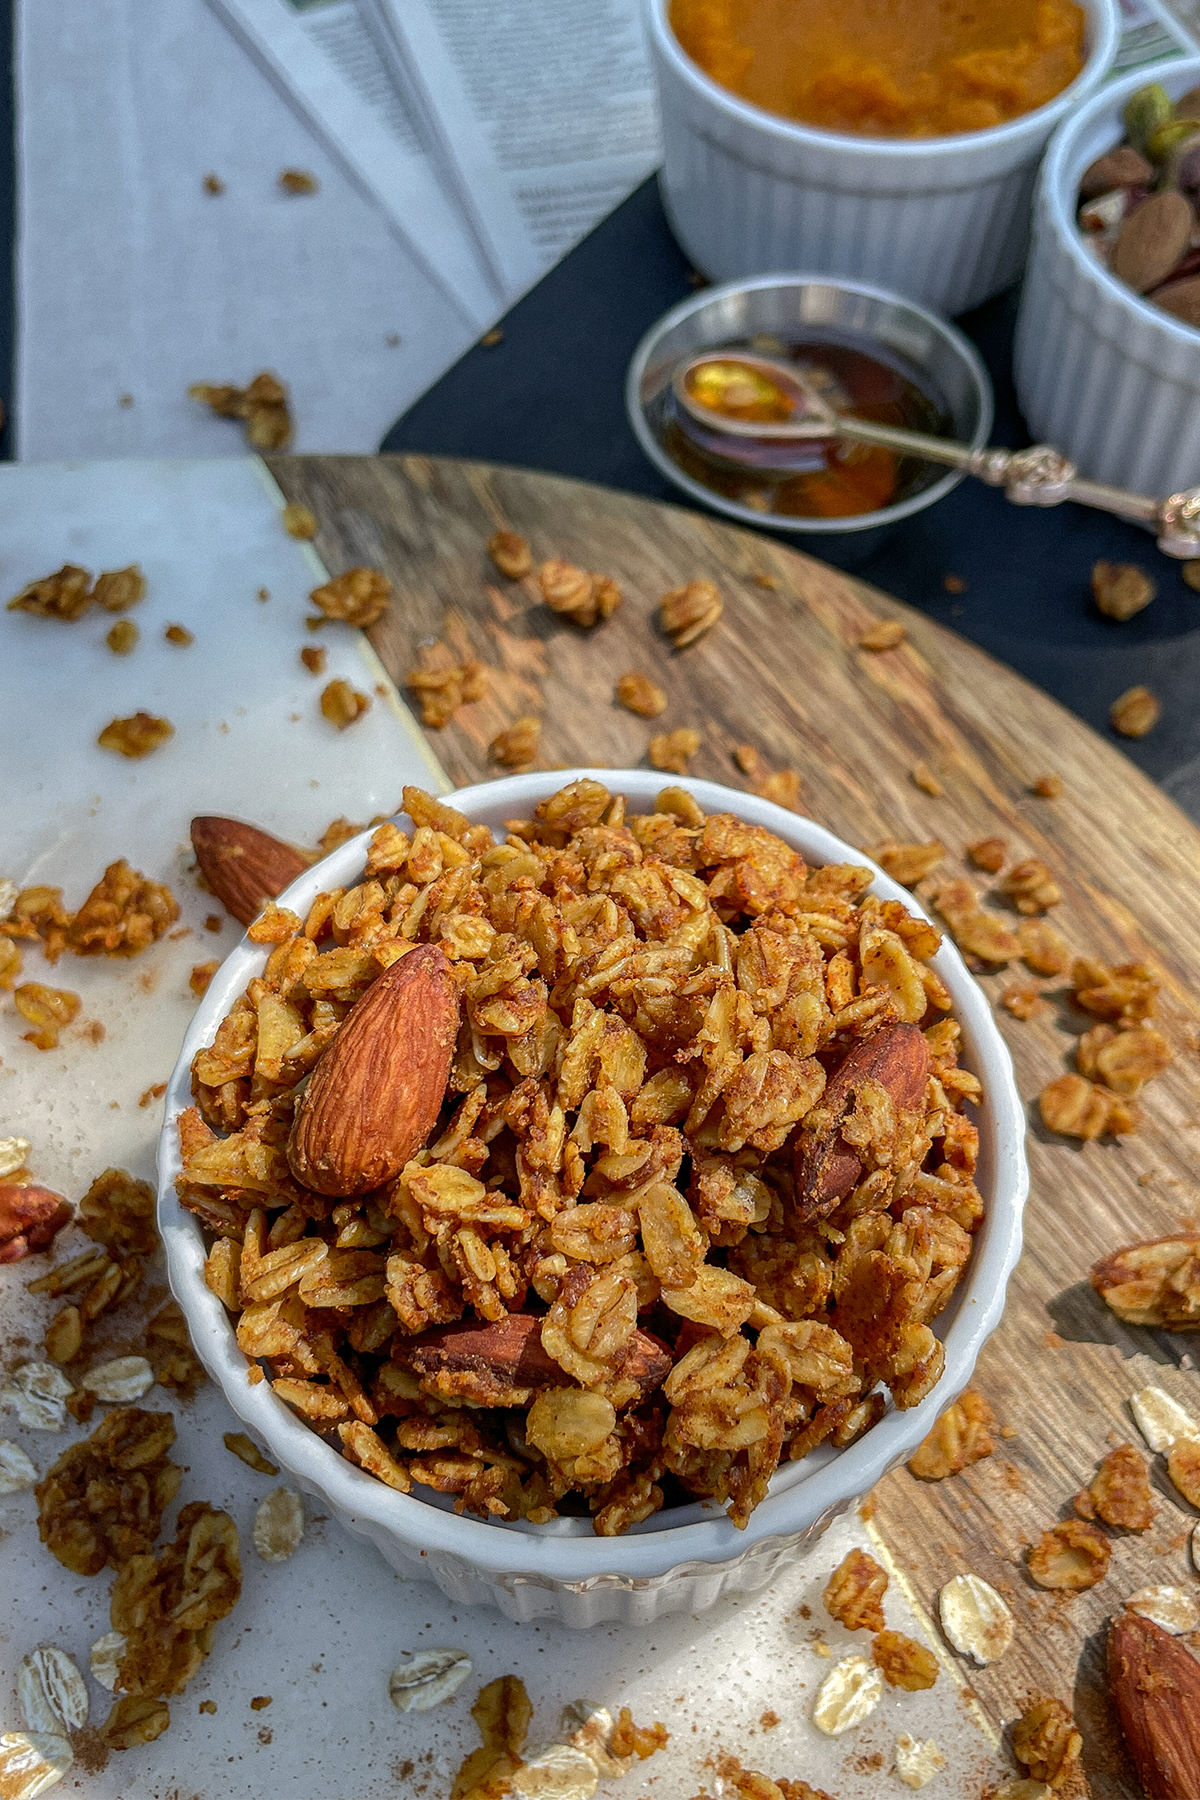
699,1181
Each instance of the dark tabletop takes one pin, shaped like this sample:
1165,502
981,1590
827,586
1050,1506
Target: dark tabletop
549,395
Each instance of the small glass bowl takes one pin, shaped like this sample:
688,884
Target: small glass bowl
937,358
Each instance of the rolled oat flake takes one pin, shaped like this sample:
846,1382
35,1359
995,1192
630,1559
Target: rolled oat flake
590,1727
427,1679
556,1772
106,1658
975,1618
849,1694
36,1394
13,1150
917,1760
16,1469
1171,1607
1160,1419
1023,1788
52,1692
278,1525
31,1762
123,1379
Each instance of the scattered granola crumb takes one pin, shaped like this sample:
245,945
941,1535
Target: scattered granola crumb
48,1009
1031,887
122,637
342,705
782,788
67,594
491,338
118,589
356,597
638,694
854,1592
1121,589
885,635
954,584
314,658
212,184
152,1094
1022,1000
135,736
260,1701
1048,787
747,759
201,975
988,854
264,593
907,863
516,747
1075,1107
586,599
263,405
125,401
208,1706
511,554
440,692
923,777
213,922
179,634
672,750
1071,1556
763,580
298,181
686,613
1046,1742
1135,712
962,1436
769,1720
300,521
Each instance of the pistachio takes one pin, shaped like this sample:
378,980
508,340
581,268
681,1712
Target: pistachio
1145,111
1166,138
1152,240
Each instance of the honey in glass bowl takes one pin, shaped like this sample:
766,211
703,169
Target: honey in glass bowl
887,68
823,478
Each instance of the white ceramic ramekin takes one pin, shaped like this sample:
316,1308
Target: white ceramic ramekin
689,1560
944,221
1100,373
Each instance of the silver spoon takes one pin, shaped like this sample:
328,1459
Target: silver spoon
1039,476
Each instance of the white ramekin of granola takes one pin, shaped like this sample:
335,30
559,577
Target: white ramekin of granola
589,1207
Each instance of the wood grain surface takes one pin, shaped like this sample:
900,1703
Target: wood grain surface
783,673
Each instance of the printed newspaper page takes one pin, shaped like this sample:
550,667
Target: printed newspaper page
318,53
546,113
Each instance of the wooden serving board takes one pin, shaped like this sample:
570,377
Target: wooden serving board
782,672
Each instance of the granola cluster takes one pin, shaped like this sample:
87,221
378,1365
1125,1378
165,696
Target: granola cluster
668,1230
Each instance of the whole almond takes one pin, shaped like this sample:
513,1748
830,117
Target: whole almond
1123,167
244,867
827,1167
489,1364
375,1095
1152,239
1155,1685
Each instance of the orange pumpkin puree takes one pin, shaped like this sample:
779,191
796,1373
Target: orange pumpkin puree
887,68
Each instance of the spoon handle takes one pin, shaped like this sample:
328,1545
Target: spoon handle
1039,476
